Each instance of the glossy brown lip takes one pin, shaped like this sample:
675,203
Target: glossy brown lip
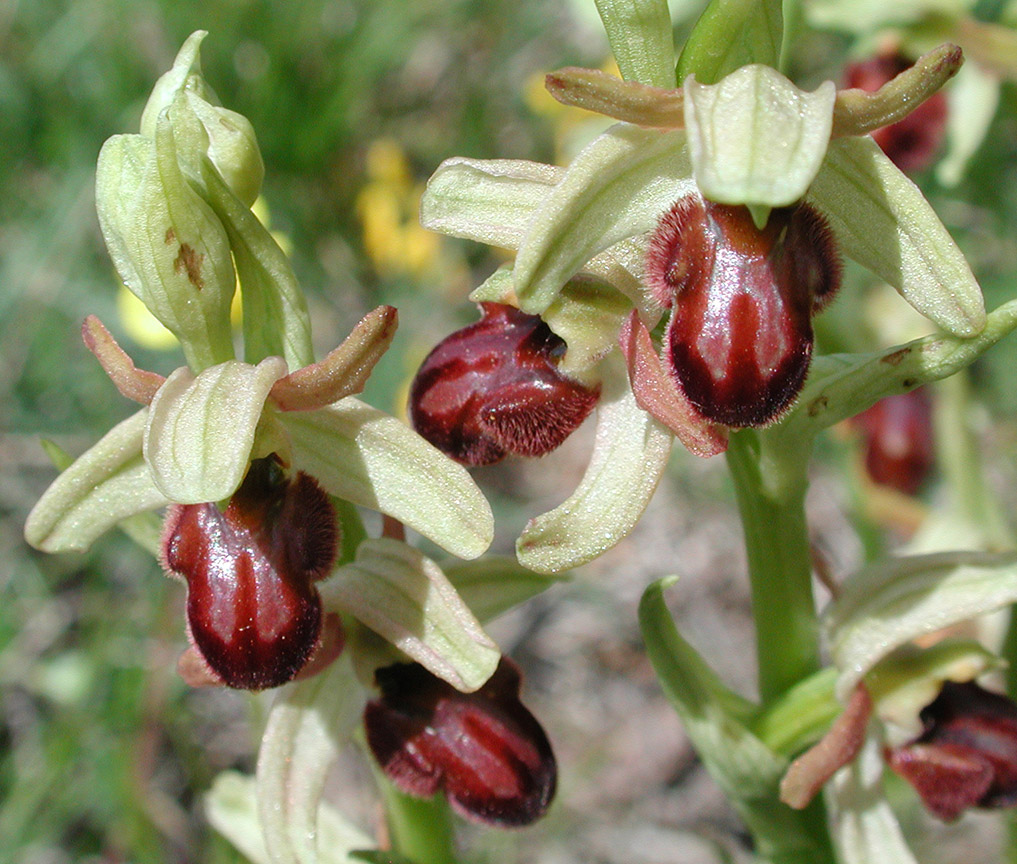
739,340
494,388
253,612
485,750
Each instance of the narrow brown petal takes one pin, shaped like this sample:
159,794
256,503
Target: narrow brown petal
132,382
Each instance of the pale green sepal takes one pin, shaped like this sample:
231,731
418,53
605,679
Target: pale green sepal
404,596
231,807
640,35
108,483
309,722
755,138
494,584
201,429
365,456
842,385
499,287
731,34
617,187
715,719
629,455
145,528
276,321
587,314
910,678
882,221
166,243
185,74
972,99
864,829
488,200
897,600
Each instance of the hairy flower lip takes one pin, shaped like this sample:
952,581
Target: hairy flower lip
484,750
493,388
739,339
967,755
253,614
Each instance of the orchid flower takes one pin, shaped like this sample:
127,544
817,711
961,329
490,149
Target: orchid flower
275,430
589,236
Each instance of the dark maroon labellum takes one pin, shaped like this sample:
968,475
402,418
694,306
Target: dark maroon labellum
912,143
253,612
967,755
739,341
494,388
485,750
899,450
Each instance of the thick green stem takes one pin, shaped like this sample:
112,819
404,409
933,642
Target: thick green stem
771,499
780,565
420,829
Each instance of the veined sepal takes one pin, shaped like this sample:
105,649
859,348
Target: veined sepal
487,200
893,602
629,455
616,188
231,807
308,724
405,597
201,429
365,456
882,221
107,484
166,243
755,138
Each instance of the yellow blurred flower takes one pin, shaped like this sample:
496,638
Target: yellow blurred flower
574,127
388,207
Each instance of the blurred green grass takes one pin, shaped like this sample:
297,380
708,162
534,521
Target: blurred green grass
103,751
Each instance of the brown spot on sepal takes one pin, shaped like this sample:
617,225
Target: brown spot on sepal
189,261
894,358
818,405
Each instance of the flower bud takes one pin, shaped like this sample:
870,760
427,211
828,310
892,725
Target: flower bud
484,749
253,612
898,440
911,143
168,246
967,755
494,388
739,341
202,127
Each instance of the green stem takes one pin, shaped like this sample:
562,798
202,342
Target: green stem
960,461
771,499
420,828
780,565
